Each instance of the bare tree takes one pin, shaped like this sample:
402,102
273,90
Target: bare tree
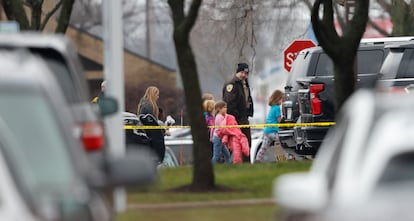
251,31
203,175
402,15
341,49
35,18
225,33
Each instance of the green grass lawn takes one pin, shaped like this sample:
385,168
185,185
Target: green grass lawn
248,182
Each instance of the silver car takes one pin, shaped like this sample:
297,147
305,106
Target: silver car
42,164
61,57
370,147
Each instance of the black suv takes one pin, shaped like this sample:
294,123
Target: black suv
309,92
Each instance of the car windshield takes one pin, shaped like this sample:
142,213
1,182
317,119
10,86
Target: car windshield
299,69
369,61
60,69
40,152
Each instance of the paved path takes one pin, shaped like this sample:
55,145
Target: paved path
187,205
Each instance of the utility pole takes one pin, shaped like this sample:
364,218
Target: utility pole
114,75
148,29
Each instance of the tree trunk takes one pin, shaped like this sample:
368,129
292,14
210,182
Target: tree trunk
341,49
203,175
64,17
344,82
402,17
36,8
14,11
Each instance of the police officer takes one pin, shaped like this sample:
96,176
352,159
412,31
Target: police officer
236,93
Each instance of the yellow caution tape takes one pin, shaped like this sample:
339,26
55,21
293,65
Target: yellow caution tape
130,127
316,124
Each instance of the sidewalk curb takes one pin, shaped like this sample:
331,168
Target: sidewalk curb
188,205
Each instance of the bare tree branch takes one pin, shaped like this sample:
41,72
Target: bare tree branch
36,13
192,15
324,28
354,34
385,5
50,14
308,4
339,17
14,11
64,17
379,29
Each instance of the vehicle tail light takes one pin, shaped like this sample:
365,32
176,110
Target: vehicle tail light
92,136
397,90
314,99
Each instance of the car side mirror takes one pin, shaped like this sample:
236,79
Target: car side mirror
137,168
107,105
300,192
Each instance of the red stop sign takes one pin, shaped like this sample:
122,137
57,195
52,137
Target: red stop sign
289,54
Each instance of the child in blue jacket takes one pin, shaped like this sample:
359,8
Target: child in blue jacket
273,117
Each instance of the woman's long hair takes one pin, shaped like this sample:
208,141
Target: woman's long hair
276,98
151,96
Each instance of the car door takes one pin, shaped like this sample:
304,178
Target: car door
13,205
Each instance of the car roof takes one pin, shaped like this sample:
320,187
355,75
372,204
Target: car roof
51,45
58,42
387,39
367,43
32,71
401,45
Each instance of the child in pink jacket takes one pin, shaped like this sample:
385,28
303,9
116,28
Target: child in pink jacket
235,140
218,148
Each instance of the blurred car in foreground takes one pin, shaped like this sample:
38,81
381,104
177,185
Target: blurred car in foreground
44,168
61,57
391,202
138,139
372,145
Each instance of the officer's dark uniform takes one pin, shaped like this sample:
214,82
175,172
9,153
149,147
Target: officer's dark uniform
233,95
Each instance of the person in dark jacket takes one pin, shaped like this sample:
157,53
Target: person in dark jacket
237,95
148,112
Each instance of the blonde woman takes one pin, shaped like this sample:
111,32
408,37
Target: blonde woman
148,103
